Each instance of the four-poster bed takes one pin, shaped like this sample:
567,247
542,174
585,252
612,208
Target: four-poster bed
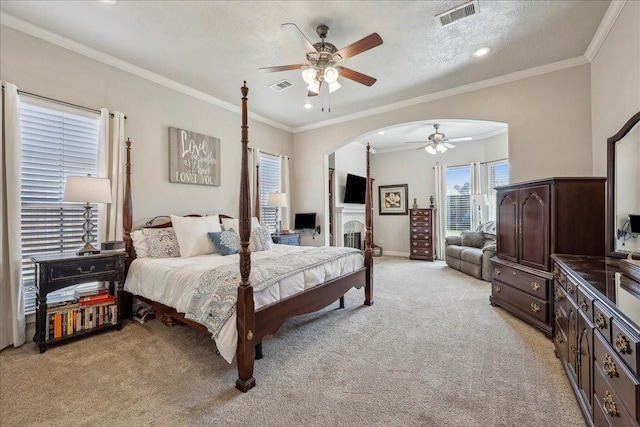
253,323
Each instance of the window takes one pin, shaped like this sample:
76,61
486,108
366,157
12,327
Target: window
458,199
269,183
498,175
57,141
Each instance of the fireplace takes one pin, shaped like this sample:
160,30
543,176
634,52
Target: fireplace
350,225
353,240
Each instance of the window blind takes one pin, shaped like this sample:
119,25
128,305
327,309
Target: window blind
57,141
269,183
498,175
458,199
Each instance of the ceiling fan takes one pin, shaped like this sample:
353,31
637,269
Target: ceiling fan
438,142
322,58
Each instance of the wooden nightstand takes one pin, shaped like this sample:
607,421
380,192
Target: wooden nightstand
286,239
77,318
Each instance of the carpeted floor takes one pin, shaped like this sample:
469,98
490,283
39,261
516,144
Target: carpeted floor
431,351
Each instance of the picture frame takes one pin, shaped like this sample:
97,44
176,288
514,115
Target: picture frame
392,199
193,158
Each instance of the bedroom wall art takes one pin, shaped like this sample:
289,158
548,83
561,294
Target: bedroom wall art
193,158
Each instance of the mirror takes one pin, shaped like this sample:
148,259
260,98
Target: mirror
623,185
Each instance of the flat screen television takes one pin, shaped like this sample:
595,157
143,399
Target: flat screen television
305,221
355,189
634,223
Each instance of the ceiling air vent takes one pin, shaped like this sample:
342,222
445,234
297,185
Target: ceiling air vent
459,12
281,85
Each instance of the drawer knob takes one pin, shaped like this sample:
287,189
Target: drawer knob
601,321
535,307
562,278
609,404
609,366
535,286
583,305
496,288
559,338
496,271
90,270
559,314
621,344
558,295
570,288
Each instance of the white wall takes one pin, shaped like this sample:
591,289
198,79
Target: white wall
348,159
549,119
39,67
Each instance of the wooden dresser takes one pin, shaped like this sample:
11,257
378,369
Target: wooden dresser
421,234
596,305
534,220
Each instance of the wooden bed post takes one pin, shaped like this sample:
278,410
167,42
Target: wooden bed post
127,209
368,237
245,353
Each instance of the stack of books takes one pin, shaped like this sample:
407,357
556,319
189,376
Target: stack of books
87,310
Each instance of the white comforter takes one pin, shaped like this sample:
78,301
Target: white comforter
171,281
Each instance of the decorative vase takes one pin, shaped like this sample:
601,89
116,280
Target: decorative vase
415,203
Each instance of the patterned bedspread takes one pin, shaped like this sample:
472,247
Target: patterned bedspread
214,299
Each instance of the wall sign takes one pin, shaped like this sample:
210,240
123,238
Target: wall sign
193,158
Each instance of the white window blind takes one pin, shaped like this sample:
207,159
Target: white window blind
269,183
498,175
57,141
458,199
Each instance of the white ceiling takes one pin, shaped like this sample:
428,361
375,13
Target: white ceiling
212,46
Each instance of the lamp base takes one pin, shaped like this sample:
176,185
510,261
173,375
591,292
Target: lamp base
88,249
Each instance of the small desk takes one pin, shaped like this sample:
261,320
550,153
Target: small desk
61,270
286,239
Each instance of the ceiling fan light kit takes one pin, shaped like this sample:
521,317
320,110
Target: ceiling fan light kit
322,58
438,142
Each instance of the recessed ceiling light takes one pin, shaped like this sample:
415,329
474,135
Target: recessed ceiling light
108,1
381,132
482,51
307,105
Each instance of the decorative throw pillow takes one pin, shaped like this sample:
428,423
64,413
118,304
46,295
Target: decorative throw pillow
161,242
234,223
192,233
260,239
140,245
473,239
226,242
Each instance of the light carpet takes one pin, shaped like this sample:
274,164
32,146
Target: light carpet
431,351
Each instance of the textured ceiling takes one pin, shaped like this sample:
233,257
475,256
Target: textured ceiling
213,46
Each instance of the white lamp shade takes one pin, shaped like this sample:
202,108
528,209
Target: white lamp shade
87,189
277,200
309,75
334,86
441,148
330,75
480,200
314,86
429,149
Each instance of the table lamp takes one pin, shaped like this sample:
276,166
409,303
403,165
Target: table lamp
480,200
277,200
87,189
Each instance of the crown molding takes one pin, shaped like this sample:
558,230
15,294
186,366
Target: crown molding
48,36
609,19
496,81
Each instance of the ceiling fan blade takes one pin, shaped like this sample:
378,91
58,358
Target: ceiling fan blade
446,144
282,68
350,74
297,35
463,138
422,148
360,46
415,142
309,93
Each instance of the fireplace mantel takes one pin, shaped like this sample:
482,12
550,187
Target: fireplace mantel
345,214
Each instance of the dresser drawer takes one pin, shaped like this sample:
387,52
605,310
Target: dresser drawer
602,319
421,244
625,345
621,380
561,343
560,307
561,277
607,401
420,236
86,270
523,301
424,231
585,303
422,252
420,213
527,282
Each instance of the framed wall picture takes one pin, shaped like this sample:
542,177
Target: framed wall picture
393,199
193,158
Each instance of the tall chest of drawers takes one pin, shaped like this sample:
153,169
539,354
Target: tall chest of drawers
421,233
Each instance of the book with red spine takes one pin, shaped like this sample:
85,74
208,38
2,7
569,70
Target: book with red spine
97,299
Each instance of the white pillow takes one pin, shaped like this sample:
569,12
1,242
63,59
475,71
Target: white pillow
192,234
140,245
234,224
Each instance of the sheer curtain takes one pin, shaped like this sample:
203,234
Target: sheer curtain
440,202
476,188
111,152
285,187
12,318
